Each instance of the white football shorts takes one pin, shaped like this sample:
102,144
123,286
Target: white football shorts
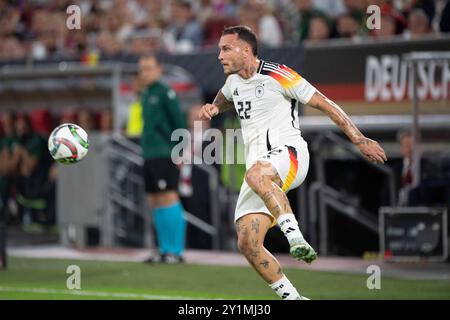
291,163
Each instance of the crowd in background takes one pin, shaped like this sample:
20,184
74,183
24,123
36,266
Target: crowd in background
36,29
27,172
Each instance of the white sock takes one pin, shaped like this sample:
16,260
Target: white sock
289,225
285,290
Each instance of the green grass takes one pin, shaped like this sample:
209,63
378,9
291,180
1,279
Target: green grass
195,281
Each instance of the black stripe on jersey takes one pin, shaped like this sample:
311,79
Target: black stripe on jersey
269,147
292,149
293,104
261,65
268,67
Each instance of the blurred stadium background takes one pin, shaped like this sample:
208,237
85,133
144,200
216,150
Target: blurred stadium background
389,80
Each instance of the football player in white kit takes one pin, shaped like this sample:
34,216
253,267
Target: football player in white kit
264,95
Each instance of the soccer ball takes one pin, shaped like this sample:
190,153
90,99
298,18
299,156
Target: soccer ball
68,143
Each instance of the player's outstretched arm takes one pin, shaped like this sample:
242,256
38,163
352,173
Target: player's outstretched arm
370,149
220,104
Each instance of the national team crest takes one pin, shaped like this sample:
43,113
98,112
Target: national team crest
259,91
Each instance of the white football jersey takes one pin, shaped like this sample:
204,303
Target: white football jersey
267,108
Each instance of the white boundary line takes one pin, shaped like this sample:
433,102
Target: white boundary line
99,294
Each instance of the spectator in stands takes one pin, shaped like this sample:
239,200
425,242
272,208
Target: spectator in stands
162,115
427,6
31,161
106,121
159,11
42,121
399,21
108,44
269,29
93,21
38,29
12,49
185,33
319,29
332,8
247,16
68,116
118,21
76,42
216,10
9,25
213,29
405,139
86,120
347,26
387,27
139,12
159,27
287,15
357,8
418,24
7,140
48,30
306,12
146,41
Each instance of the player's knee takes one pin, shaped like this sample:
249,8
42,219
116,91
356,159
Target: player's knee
244,244
253,177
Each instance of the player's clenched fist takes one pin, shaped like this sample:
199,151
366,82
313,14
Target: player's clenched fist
208,111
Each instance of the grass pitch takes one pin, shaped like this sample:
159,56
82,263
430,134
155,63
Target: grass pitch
30,278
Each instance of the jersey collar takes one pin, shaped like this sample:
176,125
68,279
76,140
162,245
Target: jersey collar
261,65
258,71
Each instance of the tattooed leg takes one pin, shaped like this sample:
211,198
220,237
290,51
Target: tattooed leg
265,181
251,230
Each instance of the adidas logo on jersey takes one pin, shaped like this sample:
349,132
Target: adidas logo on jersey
235,93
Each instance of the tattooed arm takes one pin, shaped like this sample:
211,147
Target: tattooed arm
368,147
220,104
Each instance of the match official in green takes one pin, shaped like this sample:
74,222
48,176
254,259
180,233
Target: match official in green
162,115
